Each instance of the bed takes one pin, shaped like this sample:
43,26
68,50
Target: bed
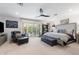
64,34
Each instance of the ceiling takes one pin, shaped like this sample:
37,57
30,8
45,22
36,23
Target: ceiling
31,10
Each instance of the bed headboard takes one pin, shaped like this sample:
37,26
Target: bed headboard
68,27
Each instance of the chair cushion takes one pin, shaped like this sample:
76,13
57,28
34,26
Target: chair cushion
22,38
18,35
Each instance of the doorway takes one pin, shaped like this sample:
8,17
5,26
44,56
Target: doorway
33,29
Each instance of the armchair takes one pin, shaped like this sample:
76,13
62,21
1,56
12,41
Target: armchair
19,38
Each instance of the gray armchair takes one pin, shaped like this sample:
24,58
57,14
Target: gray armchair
19,38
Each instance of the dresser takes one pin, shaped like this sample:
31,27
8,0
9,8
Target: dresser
3,38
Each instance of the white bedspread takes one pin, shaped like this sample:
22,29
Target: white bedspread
62,36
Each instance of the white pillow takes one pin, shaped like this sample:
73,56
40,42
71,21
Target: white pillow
54,30
18,35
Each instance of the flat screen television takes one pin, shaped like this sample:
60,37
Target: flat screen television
1,27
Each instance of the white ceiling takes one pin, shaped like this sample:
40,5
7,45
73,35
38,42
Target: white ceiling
31,10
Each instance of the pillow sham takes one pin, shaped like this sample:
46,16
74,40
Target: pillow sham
61,31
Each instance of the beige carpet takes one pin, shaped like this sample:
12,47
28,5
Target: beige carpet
37,47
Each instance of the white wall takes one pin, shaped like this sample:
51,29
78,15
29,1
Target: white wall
8,30
73,18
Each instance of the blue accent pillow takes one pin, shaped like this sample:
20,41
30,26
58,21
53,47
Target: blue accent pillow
61,31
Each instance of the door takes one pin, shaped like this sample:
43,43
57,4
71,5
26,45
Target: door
33,29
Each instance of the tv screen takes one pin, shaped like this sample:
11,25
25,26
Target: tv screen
11,24
1,27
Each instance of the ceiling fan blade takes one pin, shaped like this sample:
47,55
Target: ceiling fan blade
38,16
41,13
44,15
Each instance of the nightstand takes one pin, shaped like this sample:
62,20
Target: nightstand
77,37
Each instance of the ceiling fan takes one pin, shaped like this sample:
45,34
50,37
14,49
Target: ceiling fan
20,4
42,13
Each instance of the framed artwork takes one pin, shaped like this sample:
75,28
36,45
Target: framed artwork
11,24
64,21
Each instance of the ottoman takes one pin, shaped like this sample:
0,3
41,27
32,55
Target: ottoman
50,41
22,40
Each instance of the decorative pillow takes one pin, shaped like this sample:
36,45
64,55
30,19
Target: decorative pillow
18,35
61,31
54,29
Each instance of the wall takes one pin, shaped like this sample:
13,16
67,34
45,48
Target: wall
51,22
8,30
73,18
